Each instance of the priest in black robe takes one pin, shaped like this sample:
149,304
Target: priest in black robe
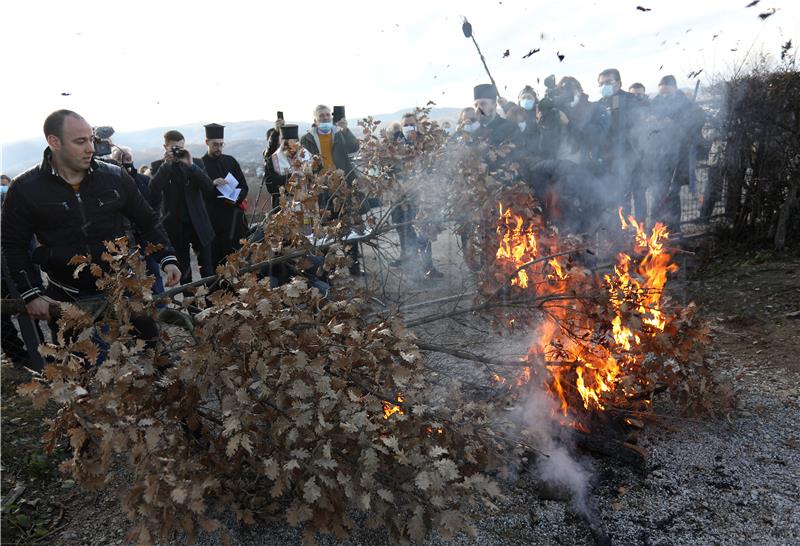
225,205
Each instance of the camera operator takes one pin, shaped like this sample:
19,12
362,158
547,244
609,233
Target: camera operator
101,138
182,186
72,203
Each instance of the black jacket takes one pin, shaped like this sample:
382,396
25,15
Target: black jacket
183,191
497,131
67,223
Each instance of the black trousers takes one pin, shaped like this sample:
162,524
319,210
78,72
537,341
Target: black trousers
12,343
184,239
145,328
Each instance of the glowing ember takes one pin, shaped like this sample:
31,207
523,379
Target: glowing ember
390,409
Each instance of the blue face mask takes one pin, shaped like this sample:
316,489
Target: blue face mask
607,90
522,125
325,127
527,104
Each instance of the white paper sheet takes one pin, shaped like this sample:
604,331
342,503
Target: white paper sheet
231,189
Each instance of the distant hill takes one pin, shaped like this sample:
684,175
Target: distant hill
243,139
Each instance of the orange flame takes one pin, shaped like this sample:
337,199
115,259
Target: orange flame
517,246
580,358
390,409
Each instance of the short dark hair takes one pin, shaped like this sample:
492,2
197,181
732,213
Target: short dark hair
5,177
54,123
668,80
613,72
173,135
572,82
409,115
637,85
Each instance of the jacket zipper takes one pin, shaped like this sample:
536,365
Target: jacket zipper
85,225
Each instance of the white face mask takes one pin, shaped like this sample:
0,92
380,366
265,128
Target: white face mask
472,127
522,125
607,90
408,129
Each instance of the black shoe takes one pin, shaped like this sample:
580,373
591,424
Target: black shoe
433,273
400,261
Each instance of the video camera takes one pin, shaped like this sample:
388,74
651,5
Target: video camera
555,98
101,138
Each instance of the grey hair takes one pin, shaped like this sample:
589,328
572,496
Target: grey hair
318,109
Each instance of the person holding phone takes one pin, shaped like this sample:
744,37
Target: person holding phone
331,139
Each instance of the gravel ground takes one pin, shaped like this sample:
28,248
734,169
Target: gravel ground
730,480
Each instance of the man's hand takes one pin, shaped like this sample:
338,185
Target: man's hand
186,157
279,123
562,117
502,101
39,309
342,124
220,182
173,275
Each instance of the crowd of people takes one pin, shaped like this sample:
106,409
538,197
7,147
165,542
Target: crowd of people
605,152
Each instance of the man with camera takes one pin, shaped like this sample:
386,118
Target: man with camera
182,186
72,203
225,209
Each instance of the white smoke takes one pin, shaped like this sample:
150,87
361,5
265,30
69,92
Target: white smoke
556,468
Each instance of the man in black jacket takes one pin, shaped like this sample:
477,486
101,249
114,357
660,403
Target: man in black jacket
620,155
224,208
72,204
182,186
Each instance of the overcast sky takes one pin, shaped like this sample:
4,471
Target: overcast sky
143,63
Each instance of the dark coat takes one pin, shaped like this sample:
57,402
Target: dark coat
344,144
67,223
183,191
588,123
625,114
273,180
497,131
227,218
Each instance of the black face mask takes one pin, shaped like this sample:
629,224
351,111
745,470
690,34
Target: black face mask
129,167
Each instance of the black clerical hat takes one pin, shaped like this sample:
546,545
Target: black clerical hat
485,91
214,130
289,132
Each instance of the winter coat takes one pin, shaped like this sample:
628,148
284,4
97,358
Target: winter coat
183,191
68,223
344,144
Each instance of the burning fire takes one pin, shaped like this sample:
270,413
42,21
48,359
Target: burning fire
586,355
390,409
517,245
